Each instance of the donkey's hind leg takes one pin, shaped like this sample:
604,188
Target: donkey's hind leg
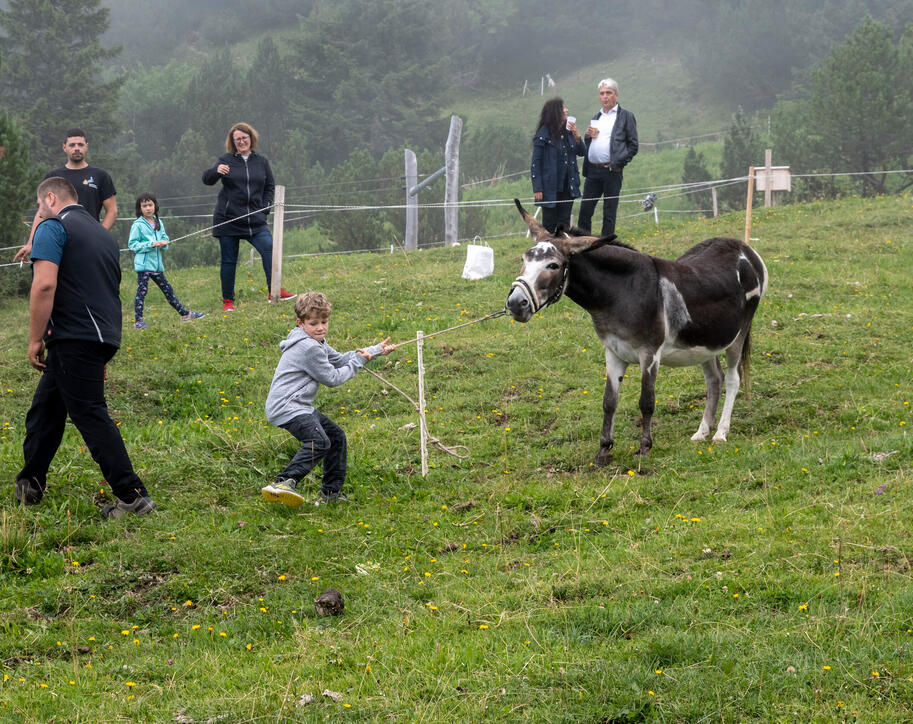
733,378
713,377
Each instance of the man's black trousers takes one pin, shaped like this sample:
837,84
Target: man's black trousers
73,384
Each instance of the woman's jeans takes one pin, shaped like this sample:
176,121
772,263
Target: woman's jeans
560,213
262,241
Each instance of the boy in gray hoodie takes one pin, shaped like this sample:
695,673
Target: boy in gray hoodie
307,362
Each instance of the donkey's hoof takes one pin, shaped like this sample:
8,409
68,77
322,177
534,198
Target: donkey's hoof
603,458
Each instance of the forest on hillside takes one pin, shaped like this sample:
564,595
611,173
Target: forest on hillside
337,89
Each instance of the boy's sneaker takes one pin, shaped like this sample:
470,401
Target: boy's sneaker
284,296
284,492
228,305
141,506
190,316
327,498
140,324
28,491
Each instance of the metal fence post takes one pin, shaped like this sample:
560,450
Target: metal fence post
452,189
411,202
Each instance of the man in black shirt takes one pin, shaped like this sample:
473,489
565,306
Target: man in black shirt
74,319
94,187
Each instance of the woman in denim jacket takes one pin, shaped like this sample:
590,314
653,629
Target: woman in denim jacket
553,170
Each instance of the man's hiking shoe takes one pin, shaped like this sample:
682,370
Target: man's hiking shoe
141,506
190,316
28,491
283,492
140,324
328,498
228,305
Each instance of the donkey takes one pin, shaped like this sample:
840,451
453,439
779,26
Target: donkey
650,311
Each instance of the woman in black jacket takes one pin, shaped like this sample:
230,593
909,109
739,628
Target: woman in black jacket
242,207
553,170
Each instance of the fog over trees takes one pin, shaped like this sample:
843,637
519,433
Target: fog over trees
338,88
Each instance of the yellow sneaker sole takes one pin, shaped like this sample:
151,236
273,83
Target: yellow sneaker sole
290,498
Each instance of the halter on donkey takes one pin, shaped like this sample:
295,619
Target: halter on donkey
650,311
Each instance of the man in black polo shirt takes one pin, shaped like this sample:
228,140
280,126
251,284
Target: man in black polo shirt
94,188
74,316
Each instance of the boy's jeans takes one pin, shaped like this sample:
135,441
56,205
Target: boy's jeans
321,439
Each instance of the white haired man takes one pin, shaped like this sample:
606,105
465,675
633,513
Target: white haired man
611,142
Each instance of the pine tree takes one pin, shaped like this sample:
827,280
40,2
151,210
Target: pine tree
266,97
17,194
854,118
861,104
214,102
694,170
369,75
52,72
741,149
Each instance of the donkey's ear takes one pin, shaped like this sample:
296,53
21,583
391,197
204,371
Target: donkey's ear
535,228
571,245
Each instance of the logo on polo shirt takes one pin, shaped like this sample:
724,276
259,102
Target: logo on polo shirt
90,182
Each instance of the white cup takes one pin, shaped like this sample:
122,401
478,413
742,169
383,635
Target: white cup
570,120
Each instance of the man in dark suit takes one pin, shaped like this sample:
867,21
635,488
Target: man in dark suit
611,142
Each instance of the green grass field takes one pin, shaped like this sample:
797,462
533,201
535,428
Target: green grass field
764,579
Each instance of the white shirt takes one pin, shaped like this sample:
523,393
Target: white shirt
601,146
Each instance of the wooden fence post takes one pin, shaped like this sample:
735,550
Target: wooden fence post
411,202
716,203
423,424
452,189
278,230
748,205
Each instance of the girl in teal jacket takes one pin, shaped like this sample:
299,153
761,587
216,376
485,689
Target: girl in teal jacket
147,239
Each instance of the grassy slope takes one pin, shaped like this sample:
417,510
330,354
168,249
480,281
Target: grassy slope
655,87
700,582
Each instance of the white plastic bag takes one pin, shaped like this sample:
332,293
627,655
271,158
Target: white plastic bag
480,261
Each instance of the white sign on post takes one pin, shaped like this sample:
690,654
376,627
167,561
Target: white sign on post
780,178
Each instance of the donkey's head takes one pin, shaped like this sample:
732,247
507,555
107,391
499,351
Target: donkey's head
543,277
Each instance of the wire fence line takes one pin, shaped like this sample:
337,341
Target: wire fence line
304,211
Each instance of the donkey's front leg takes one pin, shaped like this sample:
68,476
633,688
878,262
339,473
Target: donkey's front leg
649,366
615,373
